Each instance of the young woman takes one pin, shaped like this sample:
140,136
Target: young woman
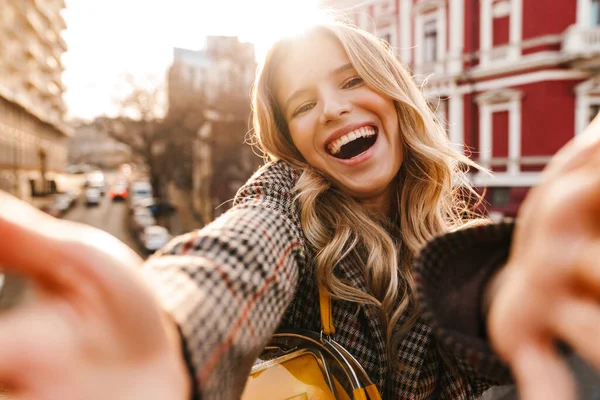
362,198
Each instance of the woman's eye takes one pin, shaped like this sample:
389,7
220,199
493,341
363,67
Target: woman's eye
352,82
303,108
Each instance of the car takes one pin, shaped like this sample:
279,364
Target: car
118,192
138,191
92,196
140,219
96,180
156,206
154,237
52,209
64,202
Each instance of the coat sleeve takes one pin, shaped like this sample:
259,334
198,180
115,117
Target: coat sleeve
228,285
451,274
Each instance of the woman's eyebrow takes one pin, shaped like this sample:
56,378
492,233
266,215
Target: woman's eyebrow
300,92
343,68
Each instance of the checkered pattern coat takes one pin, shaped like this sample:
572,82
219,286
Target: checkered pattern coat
232,284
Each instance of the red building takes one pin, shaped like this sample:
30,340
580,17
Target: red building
513,80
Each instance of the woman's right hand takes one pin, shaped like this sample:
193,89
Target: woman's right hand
93,330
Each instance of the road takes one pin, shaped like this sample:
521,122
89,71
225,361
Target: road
108,216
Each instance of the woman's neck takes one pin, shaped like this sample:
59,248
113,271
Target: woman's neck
382,205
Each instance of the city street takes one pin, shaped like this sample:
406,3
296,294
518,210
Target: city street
108,216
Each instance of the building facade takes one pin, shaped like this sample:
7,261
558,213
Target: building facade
221,75
32,130
513,80
90,145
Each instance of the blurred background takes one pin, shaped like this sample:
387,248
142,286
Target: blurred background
133,116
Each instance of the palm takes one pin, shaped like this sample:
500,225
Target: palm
92,330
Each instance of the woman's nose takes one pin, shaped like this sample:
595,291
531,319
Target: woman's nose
334,106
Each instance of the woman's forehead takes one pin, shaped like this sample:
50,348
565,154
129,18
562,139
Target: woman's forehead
307,61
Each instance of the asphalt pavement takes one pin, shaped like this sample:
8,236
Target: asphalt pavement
109,216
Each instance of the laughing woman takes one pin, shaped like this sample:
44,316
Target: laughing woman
361,200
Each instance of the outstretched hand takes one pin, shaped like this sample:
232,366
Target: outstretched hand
93,330
549,291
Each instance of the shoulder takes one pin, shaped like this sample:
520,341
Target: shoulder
272,183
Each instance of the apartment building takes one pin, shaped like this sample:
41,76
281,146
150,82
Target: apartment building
32,130
221,74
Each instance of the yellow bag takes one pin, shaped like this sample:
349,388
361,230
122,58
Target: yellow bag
304,365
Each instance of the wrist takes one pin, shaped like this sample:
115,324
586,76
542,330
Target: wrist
183,375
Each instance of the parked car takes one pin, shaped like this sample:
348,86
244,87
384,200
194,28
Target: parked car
154,237
92,196
118,192
138,191
51,208
140,219
157,207
74,197
64,202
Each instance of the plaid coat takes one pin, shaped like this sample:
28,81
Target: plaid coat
232,284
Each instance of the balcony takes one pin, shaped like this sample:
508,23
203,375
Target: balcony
499,54
582,45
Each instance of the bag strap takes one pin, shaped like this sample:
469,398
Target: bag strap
369,392
326,312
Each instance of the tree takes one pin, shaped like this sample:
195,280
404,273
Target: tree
159,141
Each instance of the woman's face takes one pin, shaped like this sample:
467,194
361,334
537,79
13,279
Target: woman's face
341,127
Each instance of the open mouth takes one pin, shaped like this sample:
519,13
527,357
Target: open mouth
354,143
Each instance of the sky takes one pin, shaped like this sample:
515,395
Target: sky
110,38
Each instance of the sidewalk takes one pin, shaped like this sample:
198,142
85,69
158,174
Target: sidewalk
184,220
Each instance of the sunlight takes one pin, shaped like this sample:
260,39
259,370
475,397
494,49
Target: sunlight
99,58
292,18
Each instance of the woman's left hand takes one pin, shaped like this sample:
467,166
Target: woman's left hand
92,329
549,290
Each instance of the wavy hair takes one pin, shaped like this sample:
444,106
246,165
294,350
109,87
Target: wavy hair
432,196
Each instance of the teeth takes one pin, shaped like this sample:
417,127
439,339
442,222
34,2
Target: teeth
335,146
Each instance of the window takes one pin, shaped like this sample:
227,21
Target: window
500,33
595,13
430,41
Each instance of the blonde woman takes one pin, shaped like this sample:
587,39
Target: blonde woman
361,198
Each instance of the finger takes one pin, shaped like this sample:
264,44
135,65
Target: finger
541,375
91,264
577,322
586,270
26,247
54,252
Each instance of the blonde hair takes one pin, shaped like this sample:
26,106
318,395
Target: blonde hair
428,200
